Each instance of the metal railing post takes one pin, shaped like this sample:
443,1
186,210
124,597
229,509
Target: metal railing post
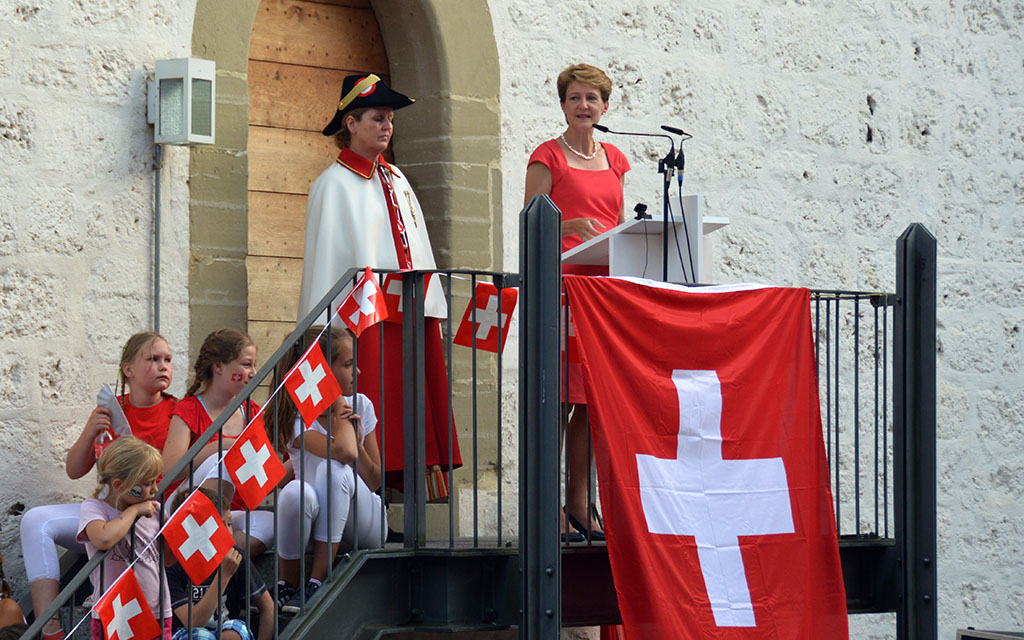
413,400
914,433
539,402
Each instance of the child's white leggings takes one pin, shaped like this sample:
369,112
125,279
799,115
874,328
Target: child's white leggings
313,518
42,529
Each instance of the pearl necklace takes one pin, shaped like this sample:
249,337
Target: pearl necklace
582,155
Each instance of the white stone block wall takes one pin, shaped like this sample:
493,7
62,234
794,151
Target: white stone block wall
821,129
76,228
782,98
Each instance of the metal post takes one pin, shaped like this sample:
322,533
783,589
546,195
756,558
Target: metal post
914,433
539,401
414,489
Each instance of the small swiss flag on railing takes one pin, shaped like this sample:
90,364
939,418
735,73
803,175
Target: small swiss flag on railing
489,327
311,384
124,612
253,465
364,306
198,537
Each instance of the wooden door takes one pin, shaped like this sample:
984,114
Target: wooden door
299,53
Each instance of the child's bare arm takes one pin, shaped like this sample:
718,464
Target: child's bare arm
104,535
81,456
265,605
207,605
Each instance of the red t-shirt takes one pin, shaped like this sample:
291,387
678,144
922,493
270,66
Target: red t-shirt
579,193
148,424
194,414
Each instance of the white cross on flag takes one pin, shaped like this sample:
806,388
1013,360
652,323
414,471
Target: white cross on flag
488,327
198,537
364,306
124,612
712,470
253,465
392,288
312,384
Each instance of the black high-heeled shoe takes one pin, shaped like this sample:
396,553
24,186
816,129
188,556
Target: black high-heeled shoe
593,534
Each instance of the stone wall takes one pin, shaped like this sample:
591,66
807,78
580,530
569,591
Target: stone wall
821,129
76,228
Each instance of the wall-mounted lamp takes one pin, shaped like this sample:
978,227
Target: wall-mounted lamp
181,99
180,106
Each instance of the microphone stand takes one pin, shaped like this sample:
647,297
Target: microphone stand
666,167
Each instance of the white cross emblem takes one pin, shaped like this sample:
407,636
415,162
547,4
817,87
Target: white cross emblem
714,500
253,465
198,538
310,386
119,624
394,288
365,299
487,318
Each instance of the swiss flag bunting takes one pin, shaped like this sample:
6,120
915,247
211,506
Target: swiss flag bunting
311,384
124,612
712,470
489,327
198,537
393,294
254,465
364,306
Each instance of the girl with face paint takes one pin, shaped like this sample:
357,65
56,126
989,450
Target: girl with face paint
225,364
128,472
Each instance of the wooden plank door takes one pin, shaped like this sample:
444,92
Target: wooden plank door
299,53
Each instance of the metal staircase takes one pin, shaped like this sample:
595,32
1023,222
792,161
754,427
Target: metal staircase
486,582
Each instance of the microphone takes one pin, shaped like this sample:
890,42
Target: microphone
669,160
678,132
680,162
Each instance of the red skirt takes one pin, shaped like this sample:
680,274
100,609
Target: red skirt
392,425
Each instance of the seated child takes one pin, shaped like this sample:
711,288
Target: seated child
12,622
122,516
206,600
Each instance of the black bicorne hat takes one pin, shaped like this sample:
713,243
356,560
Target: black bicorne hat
361,91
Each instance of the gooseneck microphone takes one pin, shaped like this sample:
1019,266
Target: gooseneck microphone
666,166
669,160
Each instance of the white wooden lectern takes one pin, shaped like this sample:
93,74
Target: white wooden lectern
634,247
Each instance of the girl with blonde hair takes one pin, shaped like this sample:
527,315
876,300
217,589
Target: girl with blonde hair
144,375
122,516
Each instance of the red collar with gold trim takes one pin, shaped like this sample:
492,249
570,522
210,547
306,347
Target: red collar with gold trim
359,165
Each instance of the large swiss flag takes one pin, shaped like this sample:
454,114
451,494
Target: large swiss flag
712,470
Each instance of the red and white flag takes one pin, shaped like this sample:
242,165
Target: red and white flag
364,306
312,384
253,465
489,327
393,294
124,612
198,537
712,470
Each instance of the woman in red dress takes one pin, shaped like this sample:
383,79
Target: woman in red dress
584,178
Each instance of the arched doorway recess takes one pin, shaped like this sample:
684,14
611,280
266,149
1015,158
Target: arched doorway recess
441,52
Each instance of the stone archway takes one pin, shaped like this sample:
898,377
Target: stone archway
441,52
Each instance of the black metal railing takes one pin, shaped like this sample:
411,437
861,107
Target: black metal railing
873,443
852,335
876,367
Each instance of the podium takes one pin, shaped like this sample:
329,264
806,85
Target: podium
634,248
